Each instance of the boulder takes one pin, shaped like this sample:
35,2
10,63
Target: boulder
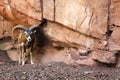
114,41
108,57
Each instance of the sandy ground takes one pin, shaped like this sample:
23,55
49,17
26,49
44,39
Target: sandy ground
56,71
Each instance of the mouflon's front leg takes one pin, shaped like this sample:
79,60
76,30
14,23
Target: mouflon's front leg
23,53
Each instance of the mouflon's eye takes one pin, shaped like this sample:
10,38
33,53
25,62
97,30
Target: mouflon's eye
34,31
31,32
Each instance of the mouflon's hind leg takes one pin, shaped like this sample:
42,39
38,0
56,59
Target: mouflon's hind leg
31,56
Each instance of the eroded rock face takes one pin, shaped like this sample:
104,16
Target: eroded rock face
82,16
5,27
114,41
114,12
58,33
71,24
79,15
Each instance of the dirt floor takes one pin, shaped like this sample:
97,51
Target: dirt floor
56,71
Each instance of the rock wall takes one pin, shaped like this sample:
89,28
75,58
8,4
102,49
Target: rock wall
92,31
